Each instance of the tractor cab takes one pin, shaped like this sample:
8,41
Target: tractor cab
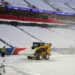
37,44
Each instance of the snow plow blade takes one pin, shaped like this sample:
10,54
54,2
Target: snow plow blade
31,57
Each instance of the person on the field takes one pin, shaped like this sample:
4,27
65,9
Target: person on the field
3,51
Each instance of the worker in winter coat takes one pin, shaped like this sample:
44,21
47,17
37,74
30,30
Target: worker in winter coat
2,60
3,51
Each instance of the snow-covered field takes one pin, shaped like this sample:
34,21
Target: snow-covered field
58,64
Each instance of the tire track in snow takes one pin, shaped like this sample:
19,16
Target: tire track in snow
18,71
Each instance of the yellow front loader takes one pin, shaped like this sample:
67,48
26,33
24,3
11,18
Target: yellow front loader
42,51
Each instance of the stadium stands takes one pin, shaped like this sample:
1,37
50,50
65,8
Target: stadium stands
59,37
14,36
18,3
2,2
62,7
72,5
40,5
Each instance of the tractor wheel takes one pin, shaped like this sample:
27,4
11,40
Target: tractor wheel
47,57
40,57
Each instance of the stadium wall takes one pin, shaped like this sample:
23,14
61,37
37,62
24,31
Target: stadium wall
70,50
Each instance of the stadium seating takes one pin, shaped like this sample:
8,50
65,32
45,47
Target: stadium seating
40,4
62,7
18,3
72,5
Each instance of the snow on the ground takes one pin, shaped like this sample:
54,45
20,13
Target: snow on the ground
58,64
